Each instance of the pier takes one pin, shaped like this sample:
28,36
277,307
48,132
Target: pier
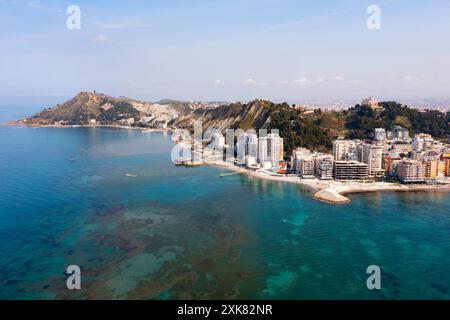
222,175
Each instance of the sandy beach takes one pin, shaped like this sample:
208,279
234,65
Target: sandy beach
335,192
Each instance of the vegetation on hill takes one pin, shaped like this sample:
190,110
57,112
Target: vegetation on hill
299,130
362,121
118,112
314,130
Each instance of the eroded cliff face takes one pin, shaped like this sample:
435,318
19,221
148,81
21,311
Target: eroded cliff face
91,107
253,115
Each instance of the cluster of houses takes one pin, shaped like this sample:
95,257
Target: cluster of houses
390,155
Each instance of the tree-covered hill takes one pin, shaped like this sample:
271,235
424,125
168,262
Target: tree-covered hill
361,121
314,130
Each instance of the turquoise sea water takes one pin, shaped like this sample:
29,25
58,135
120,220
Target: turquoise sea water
112,202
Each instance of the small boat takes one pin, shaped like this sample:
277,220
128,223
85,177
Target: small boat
132,175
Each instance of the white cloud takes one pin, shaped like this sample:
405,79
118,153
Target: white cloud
218,82
250,82
302,80
339,78
37,5
412,80
101,38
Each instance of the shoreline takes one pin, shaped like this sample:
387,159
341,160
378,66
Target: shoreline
336,192
56,126
328,191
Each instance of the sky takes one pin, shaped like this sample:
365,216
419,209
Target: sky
225,50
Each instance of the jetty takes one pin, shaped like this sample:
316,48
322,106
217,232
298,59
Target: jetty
222,175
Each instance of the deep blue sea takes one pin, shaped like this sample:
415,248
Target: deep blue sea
112,202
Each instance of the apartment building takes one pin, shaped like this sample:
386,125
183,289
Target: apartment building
342,148
350,170
324,167
410,171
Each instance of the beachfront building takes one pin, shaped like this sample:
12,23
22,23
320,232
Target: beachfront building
297,155
247,145
323,165
252,145
218,139
372,155
306,167
342,149
446,161
263,144
441,169
350,170
390,165
270,148
250,162
275,148
303,162
411,171
431,160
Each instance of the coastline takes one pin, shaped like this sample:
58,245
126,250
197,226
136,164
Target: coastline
328,191
335,192
56,126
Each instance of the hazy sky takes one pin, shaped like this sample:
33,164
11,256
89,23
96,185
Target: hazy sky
283,50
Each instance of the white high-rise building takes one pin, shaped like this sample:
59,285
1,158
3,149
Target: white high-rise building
263,149
252,145
247,145
342,149
275,148
270,148
372,155
218,139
